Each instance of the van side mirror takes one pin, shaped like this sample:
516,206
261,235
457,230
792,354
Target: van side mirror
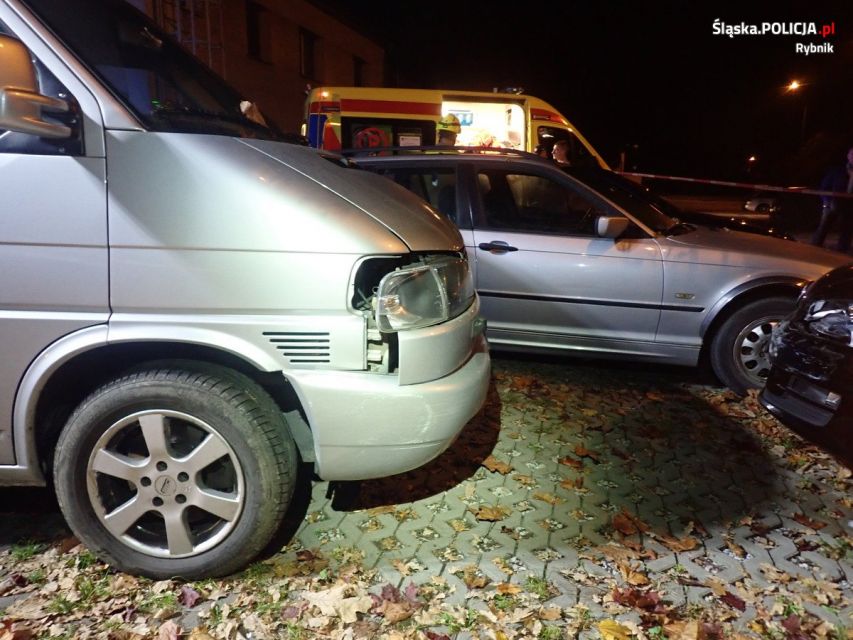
20,102
610,226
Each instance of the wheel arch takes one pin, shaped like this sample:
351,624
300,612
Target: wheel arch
74,366
743,294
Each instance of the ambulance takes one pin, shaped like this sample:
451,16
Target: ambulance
339,118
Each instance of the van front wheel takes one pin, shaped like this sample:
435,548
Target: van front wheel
176,472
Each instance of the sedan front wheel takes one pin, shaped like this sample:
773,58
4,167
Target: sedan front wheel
739,351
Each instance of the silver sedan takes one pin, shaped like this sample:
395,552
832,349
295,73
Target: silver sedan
586,262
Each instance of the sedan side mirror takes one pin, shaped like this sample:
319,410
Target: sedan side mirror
20,102
611,226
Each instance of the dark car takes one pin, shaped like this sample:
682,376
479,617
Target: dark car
810,387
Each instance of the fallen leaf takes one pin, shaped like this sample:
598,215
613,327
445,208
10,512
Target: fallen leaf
493,464
735,548
168,631
490,514
188,596
507,588
332,602
623,523
628,524
683,630
200,633
612,630
804,520
655,396
473,577
568,483
678,545
16,632
631,575
524,480
550,613
67,544
733,601
616,553
717,586
571,462
645,600
410,593
396,611
547,497
582,452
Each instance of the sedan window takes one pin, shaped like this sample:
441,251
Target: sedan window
435,185
526,202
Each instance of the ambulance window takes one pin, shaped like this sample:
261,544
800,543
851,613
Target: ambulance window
578,153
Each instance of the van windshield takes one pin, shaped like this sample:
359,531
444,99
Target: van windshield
162,84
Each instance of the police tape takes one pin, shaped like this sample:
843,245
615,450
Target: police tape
743,185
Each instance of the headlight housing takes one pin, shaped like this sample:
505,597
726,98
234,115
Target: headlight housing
831,319
424,294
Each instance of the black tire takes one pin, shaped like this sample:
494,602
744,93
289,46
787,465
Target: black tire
739,348
191,414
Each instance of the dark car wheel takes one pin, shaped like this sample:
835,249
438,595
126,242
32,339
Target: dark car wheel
738,352
176,472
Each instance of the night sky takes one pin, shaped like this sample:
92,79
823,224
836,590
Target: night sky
651,74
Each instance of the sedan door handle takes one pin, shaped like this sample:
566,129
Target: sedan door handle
497,245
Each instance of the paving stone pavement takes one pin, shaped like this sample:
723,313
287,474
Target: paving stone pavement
586,442
570,456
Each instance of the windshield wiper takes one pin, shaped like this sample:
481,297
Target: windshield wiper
212,116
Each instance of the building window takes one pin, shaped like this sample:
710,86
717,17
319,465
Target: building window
359,67
307,52
258,36
196,24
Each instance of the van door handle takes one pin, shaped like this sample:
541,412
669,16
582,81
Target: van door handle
498,246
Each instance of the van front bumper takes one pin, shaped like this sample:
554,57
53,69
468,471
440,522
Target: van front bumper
369,426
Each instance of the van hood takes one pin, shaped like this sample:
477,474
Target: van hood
405,215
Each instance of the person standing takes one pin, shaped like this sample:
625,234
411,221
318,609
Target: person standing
839,179
447,129
560,152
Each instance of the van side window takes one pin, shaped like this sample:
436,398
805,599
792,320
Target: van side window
49,85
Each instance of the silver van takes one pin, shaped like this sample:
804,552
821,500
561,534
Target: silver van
188,303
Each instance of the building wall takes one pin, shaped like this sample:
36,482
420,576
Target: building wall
274,79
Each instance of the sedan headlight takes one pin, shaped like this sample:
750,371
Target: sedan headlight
831,319
424,294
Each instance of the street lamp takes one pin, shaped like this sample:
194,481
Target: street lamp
794,86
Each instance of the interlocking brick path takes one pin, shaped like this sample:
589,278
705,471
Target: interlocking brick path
684,458
594,453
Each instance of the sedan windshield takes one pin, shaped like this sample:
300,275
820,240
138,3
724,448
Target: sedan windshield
163,85
654,212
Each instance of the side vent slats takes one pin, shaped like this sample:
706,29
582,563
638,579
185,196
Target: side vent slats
302,347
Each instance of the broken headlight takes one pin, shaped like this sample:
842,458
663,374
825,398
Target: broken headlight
424,294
